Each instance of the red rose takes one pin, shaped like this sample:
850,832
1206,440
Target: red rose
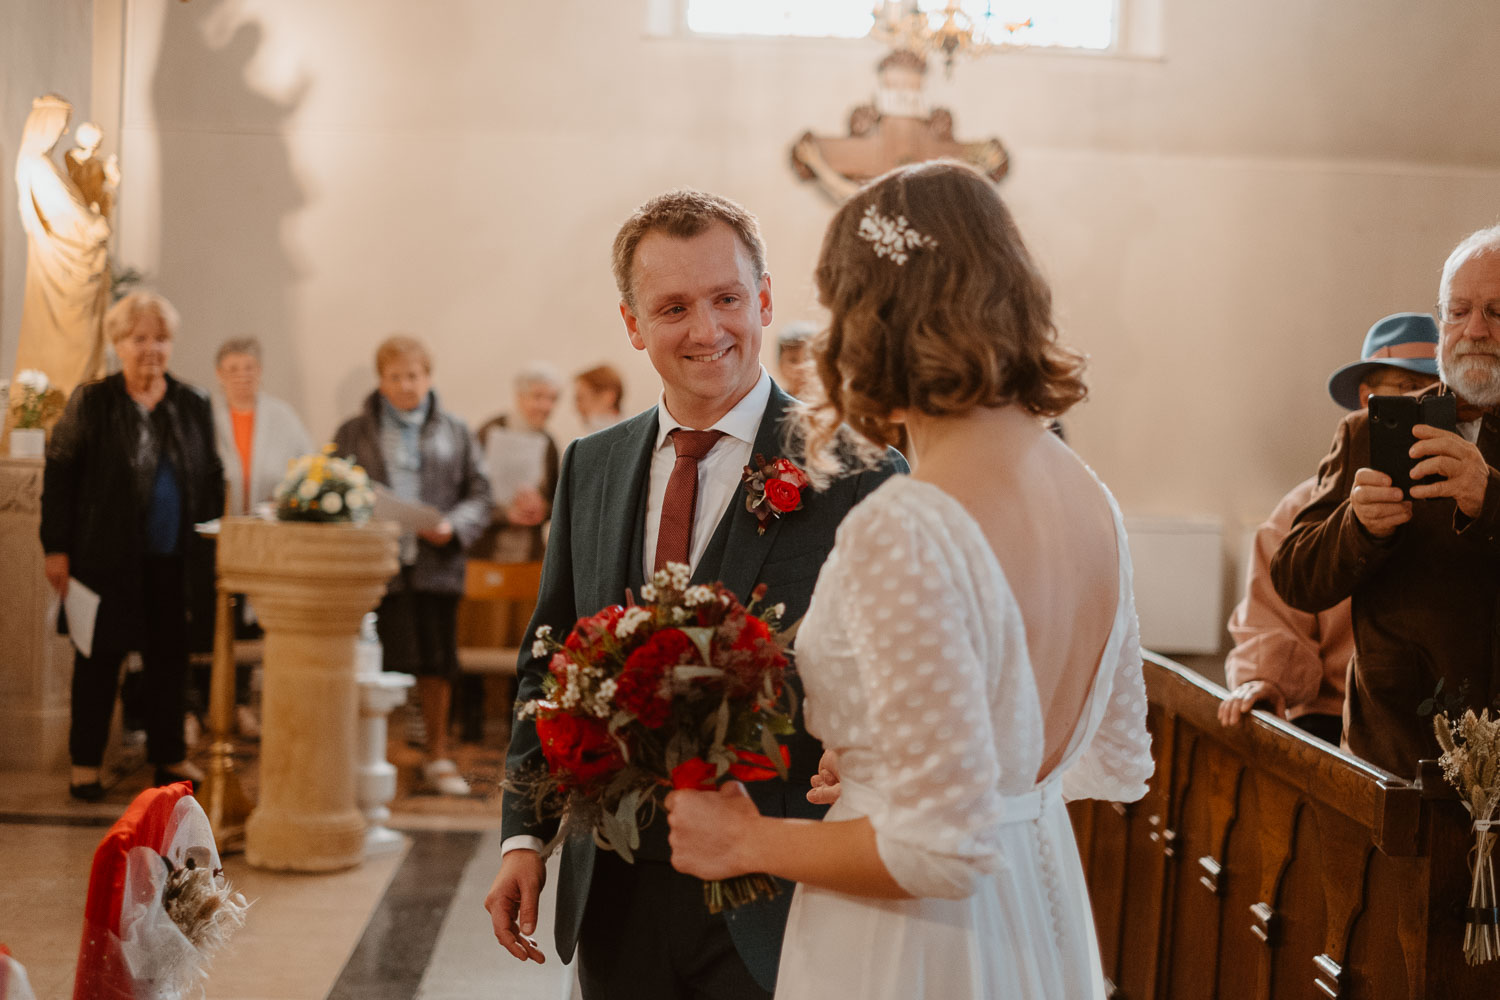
589,631
694,773
757,766
578,745
639,689
782,495
786,470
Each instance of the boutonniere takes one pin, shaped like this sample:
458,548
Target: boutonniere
773,488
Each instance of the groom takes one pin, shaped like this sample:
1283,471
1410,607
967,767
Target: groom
665,486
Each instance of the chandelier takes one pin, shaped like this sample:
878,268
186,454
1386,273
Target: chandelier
952,31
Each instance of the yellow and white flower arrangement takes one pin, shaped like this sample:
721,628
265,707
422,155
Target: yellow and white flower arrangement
33,398
324,487
1471,764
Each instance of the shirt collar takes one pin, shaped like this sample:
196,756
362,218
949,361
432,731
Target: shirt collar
742,422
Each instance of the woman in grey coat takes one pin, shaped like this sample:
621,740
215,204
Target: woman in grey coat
422,453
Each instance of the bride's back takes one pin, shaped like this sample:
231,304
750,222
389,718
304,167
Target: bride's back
1052,531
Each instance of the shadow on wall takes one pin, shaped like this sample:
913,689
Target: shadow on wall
224,259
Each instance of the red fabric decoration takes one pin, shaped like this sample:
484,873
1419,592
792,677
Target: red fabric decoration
101,971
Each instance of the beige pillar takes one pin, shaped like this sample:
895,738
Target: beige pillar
310,585
36,665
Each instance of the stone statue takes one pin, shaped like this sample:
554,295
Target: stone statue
67,257
96,177
897,129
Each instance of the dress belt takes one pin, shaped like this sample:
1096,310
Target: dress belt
860,800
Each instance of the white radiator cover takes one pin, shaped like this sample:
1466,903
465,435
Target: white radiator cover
1179,582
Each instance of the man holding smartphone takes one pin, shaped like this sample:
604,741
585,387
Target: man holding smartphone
1420,571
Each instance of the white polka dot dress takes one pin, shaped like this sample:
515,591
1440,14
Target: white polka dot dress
914,660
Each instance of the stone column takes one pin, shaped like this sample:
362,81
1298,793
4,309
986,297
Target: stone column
36,664
311,584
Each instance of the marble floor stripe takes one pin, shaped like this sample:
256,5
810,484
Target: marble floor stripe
396,947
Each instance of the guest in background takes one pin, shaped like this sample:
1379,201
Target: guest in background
1421,571
130,468
258,435
598,393
1292,661
422,453
794,367
518,447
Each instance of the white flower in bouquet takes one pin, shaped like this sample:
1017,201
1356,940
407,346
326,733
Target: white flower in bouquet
331,503
33,379
308,489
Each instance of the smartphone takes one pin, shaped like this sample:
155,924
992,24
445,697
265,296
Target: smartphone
1391,421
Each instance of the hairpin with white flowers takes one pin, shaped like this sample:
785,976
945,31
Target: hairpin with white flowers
893,238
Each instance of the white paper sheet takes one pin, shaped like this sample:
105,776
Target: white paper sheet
411,516
514,460
82,605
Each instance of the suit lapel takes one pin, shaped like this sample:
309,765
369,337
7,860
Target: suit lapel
738,549
624,488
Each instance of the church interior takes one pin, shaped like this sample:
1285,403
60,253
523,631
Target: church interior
1223,198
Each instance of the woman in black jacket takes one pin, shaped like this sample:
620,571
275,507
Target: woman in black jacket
130,468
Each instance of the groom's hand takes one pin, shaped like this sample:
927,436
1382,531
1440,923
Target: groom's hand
512,903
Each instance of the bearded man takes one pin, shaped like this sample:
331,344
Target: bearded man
1421,572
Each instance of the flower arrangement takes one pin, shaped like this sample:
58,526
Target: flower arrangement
323,487
773,488
33,398
685,691
1471,764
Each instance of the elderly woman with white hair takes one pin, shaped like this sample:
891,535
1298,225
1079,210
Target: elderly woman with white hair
515,533
130,468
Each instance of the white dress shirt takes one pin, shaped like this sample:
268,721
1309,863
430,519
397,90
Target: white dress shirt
719,472
719,475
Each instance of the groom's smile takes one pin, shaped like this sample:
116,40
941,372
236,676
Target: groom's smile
699,311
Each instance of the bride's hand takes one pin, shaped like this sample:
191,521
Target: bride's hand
825,784
711,830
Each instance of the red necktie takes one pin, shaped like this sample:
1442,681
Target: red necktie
675,537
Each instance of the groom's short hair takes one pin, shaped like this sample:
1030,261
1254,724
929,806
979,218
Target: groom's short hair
683,213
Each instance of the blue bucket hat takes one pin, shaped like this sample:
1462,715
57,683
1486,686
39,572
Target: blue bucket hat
1401,340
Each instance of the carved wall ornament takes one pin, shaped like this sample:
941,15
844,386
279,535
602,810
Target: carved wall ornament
896,129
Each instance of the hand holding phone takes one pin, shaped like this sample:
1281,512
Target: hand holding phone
1392,419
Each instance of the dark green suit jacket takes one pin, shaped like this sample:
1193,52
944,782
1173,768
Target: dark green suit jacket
595,552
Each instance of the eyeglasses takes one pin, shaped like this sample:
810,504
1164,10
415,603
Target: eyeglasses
1453,314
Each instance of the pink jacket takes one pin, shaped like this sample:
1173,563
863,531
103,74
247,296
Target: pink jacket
1306,656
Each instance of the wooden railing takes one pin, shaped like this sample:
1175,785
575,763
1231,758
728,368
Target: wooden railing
1264,863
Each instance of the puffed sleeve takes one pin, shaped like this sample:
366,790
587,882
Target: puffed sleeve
1117,763
919,645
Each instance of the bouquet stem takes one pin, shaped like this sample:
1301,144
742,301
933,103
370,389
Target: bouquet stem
729,893
1482,925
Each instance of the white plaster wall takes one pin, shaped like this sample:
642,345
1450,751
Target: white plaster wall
1221,225
45,47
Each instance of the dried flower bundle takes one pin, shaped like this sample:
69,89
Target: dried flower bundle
1471,764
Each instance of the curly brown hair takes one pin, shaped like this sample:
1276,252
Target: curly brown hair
963,320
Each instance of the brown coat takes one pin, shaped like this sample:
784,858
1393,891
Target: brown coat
1426,601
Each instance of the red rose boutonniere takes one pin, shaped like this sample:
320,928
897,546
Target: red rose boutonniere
773,488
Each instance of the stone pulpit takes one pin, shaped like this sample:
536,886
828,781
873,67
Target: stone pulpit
311,584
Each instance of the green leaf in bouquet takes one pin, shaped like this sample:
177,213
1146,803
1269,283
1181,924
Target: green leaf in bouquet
619,719
625,818
615,837
781,725
772,750
702,637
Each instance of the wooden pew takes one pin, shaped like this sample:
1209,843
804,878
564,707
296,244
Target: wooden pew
1266,864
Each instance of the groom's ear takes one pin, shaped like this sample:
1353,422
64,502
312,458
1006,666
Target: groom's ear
764,295
632,326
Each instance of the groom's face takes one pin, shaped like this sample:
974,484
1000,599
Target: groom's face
699,311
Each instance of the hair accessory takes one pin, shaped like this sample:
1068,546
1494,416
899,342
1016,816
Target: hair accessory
892,237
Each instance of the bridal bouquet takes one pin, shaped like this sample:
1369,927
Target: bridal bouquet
1471,764
324,487
683,691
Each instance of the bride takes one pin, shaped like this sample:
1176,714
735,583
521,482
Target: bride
971,656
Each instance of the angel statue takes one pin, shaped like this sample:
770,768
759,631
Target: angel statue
67,256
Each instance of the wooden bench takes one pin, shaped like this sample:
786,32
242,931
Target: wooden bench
1264,863
492,618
